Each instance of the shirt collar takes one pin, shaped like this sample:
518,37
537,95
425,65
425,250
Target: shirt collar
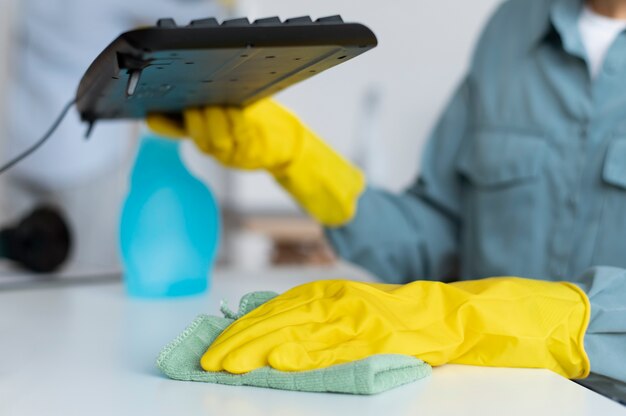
562,20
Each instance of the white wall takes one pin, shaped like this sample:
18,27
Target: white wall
424,48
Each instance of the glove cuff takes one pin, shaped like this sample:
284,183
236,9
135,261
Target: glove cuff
325,184
514,322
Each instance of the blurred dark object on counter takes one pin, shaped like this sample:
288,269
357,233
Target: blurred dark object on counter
39,242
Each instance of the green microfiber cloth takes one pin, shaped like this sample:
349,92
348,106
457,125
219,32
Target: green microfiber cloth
180,360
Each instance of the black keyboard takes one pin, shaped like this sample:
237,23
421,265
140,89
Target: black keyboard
167,68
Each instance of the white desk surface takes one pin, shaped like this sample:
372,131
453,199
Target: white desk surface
89,350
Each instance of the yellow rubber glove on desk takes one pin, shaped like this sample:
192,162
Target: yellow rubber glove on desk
504,322
264,135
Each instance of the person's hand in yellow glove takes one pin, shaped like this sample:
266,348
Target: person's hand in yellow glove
507,322
265,135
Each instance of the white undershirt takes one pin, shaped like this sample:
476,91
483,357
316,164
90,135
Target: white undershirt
598,33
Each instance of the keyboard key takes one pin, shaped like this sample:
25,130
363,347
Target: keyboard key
166,22
275,20
299,20
241,21
330,19
211,21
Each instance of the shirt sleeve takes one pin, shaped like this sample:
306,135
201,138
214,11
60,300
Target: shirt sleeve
605,338
413,235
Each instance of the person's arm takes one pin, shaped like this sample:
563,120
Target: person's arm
413,235
605,338
497,322
510,322
265,135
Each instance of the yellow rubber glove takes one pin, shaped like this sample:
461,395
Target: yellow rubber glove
265,135
500,322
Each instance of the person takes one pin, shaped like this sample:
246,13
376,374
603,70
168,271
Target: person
524,175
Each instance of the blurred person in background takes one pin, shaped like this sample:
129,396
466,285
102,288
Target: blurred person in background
52,43
524,175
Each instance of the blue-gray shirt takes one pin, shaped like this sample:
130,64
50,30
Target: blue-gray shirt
524,175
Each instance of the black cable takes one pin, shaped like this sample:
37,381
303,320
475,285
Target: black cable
41,141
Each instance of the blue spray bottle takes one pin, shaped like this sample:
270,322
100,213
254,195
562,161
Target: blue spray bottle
169,227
